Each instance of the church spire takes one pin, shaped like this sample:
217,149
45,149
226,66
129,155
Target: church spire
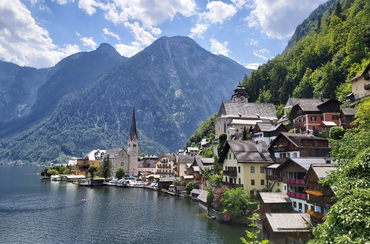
133,134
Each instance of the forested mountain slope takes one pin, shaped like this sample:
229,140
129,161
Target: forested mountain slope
326,50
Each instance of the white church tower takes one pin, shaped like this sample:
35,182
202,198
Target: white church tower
132,148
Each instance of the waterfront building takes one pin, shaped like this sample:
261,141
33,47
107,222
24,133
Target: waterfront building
165,165
244,165
274,202
93,158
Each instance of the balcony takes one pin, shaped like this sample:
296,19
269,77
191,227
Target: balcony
164,166
367,86
281,149
230,173
298,124
274,178
297,195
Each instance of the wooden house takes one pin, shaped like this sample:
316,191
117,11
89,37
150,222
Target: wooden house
267,132
347,116
274,202
284,228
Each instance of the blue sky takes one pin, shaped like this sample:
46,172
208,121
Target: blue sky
39,33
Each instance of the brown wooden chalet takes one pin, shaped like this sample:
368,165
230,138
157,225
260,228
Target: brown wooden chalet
274,202
308,114
347,116
320,196
288,145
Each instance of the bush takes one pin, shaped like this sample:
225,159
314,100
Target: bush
52,172
336,132
120,172
190,186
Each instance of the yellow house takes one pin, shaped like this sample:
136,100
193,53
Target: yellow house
93,158
360,85
244,165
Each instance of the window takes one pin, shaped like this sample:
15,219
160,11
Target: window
234,156
335,117
262,182
261,170
297,131
129,145
270,172
313,118
304,119
252,169
356,88
238,169
303,129
285,188
239,181
313,127
134,145
252,182
322,117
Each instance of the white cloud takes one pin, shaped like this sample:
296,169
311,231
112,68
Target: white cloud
218,12
279,18
253,66
239,3
107,32
219,48
129,51
140,34
89,42
23,42
253,42
259,53
198,30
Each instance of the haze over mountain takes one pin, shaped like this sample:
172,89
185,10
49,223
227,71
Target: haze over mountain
86,101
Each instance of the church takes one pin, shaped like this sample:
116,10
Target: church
237,114
126,159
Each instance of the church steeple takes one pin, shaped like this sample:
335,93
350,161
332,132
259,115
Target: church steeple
240,94
133,134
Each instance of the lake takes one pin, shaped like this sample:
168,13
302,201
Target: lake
42,211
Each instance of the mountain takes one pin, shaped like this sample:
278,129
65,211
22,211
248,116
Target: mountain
174,83
326,50
45,87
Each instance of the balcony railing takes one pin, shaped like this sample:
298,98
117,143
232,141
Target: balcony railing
295,181
297,195
273,178
298,124
281,149
367,86
230,173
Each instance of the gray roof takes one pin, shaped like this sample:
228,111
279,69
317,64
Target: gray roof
166,179
185,159
208,161
203,196
248,110
273,166
310,104
291,102
349,111
113,152
295,138
267,127
289,222
150,162
307,161
196,191
246,151
322,170
275,197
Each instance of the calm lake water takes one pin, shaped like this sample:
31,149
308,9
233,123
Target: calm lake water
40,211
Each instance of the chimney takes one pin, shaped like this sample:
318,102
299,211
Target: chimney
259,147
320,97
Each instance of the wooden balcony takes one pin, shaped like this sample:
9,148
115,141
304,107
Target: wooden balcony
298,124
281,149
273,178
230,173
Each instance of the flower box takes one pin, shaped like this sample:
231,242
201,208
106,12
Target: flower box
314,193
292,181
287,181
303,196
314,214
302,182
292,194
298,195
298,182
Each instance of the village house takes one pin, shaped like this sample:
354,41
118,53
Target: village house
273,202
289,145
244,165
314,115
165,165
320,196
183,162
282,228
360,85
93,158
198,167
267,132
292,180
237,115
347,116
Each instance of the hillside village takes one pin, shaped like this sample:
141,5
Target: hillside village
282,169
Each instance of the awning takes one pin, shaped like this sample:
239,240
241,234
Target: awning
188,176
328,123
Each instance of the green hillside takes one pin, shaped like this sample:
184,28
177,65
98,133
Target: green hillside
327,49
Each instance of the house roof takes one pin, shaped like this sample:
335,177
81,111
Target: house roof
99,153
306,162
207,160
151,164
296,138
275,197
185,159
166,179
113,152
247,110
322,170
289,222
349,111
246,152
273,166
196,191
203,196
291,102
268,127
